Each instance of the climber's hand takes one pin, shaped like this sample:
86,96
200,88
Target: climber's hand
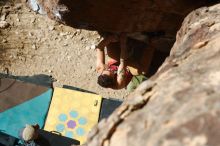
100,67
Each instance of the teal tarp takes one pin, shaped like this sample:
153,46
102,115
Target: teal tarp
30,112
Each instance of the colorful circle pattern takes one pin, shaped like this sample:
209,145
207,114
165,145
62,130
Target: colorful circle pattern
71,124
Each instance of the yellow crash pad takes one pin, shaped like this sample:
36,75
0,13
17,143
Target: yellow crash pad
73,113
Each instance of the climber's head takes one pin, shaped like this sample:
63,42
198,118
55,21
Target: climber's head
107,79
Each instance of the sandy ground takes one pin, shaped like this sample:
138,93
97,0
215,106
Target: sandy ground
34,48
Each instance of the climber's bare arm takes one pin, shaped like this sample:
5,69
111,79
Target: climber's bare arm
121,78
100,56
100,61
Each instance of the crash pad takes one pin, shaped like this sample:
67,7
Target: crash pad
22,103
73,113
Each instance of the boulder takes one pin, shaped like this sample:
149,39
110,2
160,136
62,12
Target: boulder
180,104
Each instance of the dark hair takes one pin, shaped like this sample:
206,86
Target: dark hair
106,81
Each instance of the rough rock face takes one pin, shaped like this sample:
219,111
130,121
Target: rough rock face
123,15
180,104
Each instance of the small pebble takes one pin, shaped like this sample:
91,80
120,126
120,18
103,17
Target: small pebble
51,28
18,6
68,58
87,48
34,47
3,17
63,33
68,37
78,30
93,47
33,20
30,34
4,41
4,24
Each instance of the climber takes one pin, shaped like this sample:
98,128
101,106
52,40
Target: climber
129,60
115,75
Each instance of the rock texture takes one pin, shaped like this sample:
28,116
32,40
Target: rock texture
123,16
120,16
180,104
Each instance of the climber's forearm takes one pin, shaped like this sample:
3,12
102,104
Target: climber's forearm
100,55
100,52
